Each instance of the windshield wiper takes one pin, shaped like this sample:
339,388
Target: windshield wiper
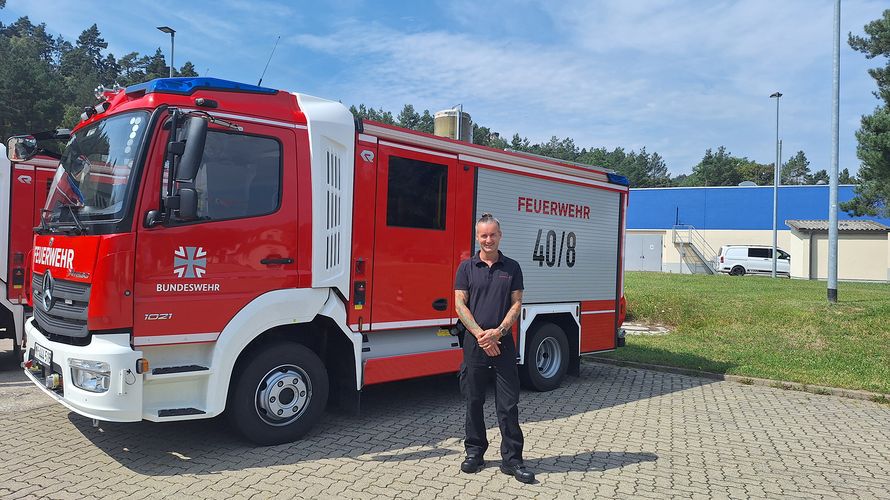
71,206
43,228
80,227
46,228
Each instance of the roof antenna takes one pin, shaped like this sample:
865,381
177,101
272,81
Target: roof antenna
267,62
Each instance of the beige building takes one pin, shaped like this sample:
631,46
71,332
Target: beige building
863,250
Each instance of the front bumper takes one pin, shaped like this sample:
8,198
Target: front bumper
123,400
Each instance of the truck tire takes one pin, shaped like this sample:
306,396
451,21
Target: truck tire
278,394
546,358
737,271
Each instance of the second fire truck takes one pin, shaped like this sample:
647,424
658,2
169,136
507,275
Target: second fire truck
23,190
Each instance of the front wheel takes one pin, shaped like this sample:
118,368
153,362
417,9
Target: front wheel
546,359
279,394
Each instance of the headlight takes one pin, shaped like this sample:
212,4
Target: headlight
92,376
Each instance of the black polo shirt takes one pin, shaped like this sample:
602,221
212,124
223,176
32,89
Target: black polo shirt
489,287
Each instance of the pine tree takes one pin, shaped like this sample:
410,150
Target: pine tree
844,177
427,122
796,170
873,137
717,169
408,118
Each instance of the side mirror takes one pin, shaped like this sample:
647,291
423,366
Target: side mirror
152,218
21,148
188,204
195,136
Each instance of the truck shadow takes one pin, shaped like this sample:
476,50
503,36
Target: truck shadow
663,357
8,359
410,420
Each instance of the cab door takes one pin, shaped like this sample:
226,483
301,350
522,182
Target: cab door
192,277
414,238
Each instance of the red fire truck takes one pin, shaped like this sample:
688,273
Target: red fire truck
23,190
210,246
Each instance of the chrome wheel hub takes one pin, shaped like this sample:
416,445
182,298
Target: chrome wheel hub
548,358
283,395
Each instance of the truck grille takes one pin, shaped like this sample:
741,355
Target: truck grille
68,315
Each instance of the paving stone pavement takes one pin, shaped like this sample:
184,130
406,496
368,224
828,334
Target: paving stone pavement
611,433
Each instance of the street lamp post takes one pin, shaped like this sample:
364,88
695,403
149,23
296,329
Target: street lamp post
776,95
835,140
172,32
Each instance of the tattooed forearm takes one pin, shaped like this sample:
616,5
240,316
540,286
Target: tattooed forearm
515,309
463,312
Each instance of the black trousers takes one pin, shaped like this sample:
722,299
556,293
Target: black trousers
475,374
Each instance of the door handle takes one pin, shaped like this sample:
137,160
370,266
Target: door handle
440,304
270,261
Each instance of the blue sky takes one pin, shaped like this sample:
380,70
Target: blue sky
675,76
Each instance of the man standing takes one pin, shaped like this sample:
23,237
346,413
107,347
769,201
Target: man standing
488,298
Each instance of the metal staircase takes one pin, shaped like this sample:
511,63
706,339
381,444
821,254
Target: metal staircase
695,251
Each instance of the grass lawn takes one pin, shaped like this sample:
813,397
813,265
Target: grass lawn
761,327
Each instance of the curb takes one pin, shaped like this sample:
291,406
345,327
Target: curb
739,379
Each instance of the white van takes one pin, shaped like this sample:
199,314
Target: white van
738,260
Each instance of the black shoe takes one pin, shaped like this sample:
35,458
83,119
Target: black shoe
472,464
519,471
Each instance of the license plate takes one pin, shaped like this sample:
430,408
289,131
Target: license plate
43,355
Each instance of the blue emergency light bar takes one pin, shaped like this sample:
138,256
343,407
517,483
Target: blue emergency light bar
189,85
618,179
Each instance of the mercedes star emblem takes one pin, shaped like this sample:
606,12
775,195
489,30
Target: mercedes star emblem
47,295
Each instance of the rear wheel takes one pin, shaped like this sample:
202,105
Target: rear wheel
737,271
279,394
546,359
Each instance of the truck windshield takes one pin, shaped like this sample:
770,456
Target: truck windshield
91,183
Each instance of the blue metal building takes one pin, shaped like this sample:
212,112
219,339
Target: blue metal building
733,207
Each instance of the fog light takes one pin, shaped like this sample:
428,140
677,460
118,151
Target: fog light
53,381
92,376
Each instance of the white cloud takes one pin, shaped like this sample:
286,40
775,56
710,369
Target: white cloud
675,76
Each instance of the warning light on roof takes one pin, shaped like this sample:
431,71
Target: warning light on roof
189,85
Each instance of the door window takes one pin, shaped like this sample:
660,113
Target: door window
417,192
239,176
760,253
